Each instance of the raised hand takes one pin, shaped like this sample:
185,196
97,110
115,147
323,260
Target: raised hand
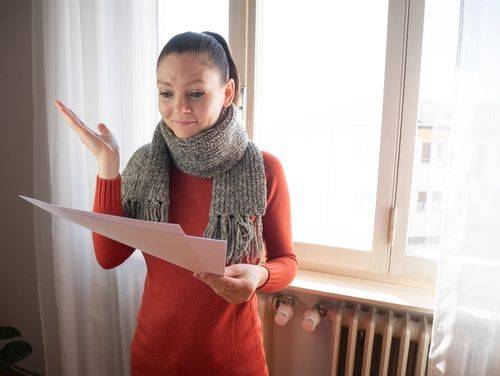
103,144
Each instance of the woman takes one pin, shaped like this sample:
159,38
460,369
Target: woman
200,171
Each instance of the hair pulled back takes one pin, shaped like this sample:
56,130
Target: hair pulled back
211,44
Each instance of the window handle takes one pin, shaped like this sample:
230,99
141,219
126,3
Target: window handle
243,93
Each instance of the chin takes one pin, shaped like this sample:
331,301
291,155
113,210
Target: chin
184,133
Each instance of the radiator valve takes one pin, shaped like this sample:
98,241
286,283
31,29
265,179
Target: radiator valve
313,316
284,309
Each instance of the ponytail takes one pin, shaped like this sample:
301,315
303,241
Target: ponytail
233,70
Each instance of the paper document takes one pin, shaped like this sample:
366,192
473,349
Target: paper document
166,241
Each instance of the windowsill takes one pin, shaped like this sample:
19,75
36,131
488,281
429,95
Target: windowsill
382,294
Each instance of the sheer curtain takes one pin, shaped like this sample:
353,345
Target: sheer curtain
98,57
466,330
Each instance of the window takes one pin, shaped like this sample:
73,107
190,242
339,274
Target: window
422,197
356,105
426,152
480,167
345,213
436,201
428,102
441,152
311,118
173,19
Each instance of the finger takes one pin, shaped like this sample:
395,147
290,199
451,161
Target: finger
220,282
73,119
209,279
88,137
235,270
222,288
217,283
229,292
104,131
84,131
78,121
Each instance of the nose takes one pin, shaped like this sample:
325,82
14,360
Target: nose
181,105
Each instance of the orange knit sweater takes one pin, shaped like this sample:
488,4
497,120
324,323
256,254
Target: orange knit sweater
183,327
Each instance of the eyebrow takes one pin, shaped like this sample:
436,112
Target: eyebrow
189,83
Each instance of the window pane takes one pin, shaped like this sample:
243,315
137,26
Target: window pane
436,201
437,79
422,197
426,152
175,17
319,109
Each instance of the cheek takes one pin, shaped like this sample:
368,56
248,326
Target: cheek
203,110
161,105
165,108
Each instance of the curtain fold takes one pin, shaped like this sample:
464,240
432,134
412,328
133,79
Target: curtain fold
99,58
466,330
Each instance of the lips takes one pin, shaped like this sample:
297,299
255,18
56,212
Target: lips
182,122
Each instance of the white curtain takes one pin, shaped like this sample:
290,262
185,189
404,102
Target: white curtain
466,330
98,57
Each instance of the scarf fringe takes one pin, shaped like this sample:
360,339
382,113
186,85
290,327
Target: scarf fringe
243,236
148,211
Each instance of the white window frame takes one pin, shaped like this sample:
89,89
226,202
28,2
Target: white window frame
387,260
402,265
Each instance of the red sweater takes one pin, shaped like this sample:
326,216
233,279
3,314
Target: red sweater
183,327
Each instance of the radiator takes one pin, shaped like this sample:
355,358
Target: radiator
365,340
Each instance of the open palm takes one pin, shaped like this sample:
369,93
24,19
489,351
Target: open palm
103,144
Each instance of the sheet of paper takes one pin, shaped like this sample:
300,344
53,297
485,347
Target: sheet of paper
166,241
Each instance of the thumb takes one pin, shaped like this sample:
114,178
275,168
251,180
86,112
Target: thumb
103,129
234,270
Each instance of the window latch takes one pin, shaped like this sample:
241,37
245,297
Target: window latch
392,226
243,93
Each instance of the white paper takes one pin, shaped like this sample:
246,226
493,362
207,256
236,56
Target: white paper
166,241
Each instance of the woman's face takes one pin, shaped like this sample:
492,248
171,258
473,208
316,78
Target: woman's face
191,95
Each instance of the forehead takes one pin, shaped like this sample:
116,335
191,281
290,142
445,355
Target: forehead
183,69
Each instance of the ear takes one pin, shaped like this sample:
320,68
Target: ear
229,92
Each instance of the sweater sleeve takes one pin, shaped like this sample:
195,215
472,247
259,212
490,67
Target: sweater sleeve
107,200
281,261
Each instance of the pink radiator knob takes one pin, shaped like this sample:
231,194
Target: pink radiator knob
283,314
311,320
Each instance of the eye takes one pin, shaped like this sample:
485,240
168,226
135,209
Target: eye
197,94
166,94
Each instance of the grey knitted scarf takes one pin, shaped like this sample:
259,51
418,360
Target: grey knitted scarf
223,153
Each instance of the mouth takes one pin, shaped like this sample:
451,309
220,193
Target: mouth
184,123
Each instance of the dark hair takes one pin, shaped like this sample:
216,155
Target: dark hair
211,44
